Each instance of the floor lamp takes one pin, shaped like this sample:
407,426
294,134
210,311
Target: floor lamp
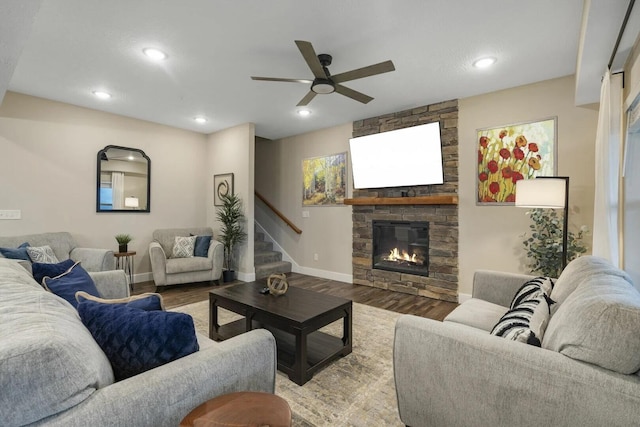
547,192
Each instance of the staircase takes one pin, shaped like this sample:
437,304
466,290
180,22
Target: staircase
266,260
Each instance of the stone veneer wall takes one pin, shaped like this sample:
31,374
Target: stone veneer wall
442,282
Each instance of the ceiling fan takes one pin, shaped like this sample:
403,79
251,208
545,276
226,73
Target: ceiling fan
324,82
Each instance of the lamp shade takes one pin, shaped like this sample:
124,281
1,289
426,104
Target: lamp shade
541,193
131,202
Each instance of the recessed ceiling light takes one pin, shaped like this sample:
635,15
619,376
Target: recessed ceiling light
484,62
200,119
101,94
155,54
304,112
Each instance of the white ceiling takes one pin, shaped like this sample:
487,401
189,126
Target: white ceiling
214,46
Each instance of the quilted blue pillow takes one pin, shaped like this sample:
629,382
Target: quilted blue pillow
135,340
40,270
71,281
147,301
202,246
18,253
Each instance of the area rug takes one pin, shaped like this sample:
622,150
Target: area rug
356,390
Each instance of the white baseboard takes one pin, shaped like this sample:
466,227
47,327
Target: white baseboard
142,277
246,277
463,297
331,275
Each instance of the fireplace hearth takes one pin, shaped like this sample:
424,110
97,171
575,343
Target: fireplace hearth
401,246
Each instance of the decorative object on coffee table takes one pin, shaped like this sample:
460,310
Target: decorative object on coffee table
246,408
277,284
232,232
123,240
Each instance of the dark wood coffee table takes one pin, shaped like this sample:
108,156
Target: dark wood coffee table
293,318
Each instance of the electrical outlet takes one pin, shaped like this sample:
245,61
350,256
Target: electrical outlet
305,214
10,214
315,257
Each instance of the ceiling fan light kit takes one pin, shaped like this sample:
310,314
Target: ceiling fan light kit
324,83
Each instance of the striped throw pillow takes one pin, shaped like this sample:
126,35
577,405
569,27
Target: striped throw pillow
532,290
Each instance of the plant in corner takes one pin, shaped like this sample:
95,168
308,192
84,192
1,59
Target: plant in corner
544,242
231,231
123,240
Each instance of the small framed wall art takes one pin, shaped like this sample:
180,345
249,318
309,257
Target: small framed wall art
507,154
222,186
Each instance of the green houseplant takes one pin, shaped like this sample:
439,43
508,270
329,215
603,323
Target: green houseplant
123,240
232,232
543,243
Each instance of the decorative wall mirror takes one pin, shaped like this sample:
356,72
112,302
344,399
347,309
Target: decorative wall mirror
124,180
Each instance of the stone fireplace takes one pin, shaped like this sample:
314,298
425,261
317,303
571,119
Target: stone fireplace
432,204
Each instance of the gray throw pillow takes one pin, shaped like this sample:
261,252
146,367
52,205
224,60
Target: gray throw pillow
42,254
184,246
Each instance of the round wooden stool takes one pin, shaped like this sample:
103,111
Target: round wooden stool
250,409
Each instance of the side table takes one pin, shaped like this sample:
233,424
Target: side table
124,261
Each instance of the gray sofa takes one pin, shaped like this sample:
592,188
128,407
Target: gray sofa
64,247
454,373
176,271
53,373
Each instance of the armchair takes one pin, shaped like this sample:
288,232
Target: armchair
174,271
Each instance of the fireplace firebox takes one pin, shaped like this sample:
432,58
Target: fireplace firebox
401,246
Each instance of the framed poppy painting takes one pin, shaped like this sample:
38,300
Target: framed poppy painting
510,153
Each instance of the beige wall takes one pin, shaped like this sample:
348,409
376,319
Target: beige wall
327,230
233,151
48,170
489,235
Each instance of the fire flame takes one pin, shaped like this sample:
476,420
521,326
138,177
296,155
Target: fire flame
395,255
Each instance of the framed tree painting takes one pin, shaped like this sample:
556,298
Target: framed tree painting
222,186
324,180
510,153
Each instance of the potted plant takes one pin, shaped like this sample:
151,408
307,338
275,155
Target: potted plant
231,231
123,240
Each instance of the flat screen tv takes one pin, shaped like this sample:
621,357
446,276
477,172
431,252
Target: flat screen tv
399,158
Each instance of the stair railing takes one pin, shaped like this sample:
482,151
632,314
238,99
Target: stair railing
280,214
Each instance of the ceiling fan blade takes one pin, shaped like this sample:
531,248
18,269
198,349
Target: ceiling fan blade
371,70
353,94
307,99
276,79
309,55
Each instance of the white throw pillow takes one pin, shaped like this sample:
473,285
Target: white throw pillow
42,254
184,246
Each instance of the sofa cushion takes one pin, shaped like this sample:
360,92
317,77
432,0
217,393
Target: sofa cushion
71,281
525,322
147,301
477,313
41,270
579,270
16,253
42,254
202,246
183,247
532,289
54,362
135,340
598,323
187,265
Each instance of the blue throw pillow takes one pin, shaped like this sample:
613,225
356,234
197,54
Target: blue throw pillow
135,340
202,246
148,301
18,253
40,270
71,281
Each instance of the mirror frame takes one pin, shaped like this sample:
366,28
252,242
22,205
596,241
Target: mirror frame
99,170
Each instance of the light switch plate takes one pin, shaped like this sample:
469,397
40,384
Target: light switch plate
10,214
305,214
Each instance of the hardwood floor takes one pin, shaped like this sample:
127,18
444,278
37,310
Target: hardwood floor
175,296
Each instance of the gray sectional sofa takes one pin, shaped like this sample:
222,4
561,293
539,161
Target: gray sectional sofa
455,373
175,271
53,373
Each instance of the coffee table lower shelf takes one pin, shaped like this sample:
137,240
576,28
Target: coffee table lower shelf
321,348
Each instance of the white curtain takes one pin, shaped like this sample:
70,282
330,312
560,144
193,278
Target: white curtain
607,173
117,188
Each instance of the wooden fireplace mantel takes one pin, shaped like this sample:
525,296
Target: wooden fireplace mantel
420,200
